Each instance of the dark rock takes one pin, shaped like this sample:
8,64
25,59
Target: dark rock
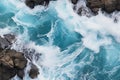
33,3
20,73
34,71
118,5
108,6
12,62
9,37
83,11
6,41
30,4
19,60
6,73
13,59
74,1
95,5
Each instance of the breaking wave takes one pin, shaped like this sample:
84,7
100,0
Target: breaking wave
68,46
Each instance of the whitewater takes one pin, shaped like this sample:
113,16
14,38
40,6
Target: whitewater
64,45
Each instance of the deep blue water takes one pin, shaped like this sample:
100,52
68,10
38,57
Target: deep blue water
73,47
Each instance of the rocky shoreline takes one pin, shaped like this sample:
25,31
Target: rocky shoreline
108,6
13,63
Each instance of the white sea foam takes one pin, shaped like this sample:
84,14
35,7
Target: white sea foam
53,62
90,28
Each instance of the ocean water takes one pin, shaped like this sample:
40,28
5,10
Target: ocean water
67,46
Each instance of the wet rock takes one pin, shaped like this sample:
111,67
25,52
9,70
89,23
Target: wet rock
20,73
118,5
74,1
11,63
33,3
34,71
83,11
12,59
30,4
9,37
6,73
95,5
108,6
19,60
6,41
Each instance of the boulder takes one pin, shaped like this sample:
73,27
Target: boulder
6,72
33,3
12,59
108,6
12,63
6,41
34,71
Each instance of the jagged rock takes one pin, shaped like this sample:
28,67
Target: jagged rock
12,59
33,3
34,71
6,41
12,62
108,6
9,37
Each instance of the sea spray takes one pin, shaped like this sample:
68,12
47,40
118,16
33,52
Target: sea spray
71,47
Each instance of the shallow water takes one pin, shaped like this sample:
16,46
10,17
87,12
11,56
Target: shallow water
73,47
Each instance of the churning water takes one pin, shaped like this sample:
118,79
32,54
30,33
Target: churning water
71,47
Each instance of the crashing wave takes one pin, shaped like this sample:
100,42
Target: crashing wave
64,45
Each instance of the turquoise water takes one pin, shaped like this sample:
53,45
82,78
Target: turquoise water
73,47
